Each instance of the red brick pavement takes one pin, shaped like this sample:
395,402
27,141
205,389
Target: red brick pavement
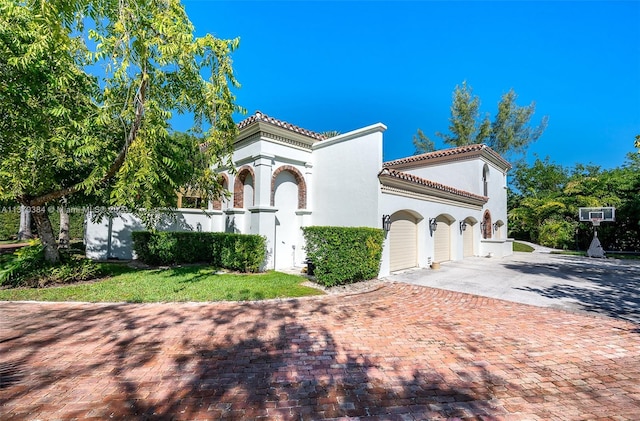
400,352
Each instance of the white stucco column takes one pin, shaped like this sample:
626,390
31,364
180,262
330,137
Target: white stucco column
308,179
263,167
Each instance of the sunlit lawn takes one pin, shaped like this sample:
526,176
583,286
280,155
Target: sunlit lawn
191,283
522,247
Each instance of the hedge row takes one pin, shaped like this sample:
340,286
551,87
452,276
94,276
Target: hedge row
240,252
10,225
343,255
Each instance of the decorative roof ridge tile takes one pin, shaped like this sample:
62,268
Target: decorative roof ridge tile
428,183
444,153
259,116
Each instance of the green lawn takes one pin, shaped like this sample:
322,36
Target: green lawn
191,283
522,247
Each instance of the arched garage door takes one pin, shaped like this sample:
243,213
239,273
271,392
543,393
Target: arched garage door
403,241
442,240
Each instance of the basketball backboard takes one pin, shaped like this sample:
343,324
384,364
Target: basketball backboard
597,215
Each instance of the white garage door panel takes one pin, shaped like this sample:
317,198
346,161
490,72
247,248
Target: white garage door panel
467,241
403,242
441,240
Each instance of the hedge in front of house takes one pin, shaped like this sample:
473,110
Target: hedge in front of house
240,252
344,255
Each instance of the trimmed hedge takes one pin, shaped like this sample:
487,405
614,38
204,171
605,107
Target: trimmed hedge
240,252
343,255
10,224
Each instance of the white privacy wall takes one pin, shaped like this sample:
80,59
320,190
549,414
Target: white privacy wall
346,191
110,238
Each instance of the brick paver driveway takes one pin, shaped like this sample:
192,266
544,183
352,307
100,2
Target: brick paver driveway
400,352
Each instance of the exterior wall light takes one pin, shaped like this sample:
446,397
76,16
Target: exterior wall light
433,225
386,222
463,226
495,227
483,225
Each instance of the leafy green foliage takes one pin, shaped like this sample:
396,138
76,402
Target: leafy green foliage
343,255
28,268
107,140
422,143
242,252
510,132
544,199
521,247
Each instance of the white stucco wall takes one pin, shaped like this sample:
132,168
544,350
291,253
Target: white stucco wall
346,191
464,175
111,237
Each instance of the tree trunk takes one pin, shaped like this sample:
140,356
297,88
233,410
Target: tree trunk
63,237
45,232
24,233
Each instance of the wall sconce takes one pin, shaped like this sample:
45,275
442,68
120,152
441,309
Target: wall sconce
495,227
483,225
386,222
433,225
463,226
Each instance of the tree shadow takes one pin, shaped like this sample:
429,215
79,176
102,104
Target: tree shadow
603,286
240,361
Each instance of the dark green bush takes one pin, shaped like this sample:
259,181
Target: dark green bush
343,255
9,223
240,252
27,268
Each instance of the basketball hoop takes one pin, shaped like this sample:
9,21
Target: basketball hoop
596,221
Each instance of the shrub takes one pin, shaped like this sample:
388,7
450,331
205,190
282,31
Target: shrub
343,255
9,224
557,233
27,268
240,252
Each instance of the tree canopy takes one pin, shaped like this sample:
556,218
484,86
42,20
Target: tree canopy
544,199
88,92
509,133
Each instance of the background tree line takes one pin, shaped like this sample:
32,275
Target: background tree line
544,199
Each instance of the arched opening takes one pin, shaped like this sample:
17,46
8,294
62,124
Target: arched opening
298,180
403,240
288,194
222,200
243,188
442,238
485,180
486,226
468,226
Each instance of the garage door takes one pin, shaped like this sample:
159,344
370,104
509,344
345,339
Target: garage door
467,241
403,241
442,242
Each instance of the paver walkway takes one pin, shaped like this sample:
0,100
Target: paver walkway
399,352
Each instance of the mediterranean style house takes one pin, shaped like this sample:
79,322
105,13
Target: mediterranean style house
439,206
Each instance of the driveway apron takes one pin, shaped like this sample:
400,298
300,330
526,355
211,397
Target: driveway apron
399,352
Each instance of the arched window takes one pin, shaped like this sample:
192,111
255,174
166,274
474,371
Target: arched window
217,203
299,180
485,180
486,225
243,188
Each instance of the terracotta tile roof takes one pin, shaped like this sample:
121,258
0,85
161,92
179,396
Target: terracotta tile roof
258,116
428,183
446,153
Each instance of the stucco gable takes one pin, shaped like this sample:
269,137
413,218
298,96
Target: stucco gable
394,178
448,155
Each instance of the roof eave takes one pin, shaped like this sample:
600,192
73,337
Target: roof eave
391,181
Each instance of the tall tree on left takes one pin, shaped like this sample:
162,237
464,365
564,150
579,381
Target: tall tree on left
87,93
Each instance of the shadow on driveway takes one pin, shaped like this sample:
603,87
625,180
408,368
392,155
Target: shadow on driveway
608,287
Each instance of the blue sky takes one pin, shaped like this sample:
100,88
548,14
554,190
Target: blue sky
343,65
